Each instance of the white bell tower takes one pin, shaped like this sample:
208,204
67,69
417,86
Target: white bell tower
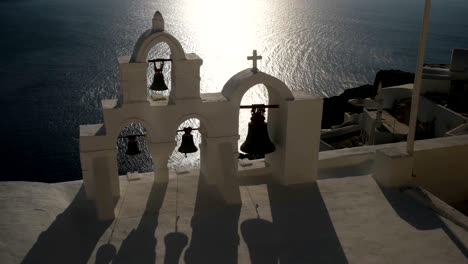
294,127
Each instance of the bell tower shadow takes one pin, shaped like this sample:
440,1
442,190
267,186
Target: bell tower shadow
72,237
305,230
262,240
140,244
215,236
175,243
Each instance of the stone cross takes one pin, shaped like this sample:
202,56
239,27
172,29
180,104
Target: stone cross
254,58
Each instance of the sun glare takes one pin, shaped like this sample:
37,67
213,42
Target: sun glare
226,33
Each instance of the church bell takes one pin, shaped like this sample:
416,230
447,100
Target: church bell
257,142
187,145
158,79
132,146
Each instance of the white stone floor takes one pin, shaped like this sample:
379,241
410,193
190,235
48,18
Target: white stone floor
337,220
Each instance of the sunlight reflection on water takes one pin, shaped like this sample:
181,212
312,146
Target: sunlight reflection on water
314,46
62,57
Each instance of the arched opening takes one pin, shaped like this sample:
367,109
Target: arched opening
257,94
178,161
159,51
278,94
140,163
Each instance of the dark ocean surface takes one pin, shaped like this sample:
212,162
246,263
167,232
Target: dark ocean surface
59,59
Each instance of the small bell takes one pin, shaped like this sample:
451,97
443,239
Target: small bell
187,145
158,79
257,143
132,146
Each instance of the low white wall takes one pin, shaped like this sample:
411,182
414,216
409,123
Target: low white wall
445,119
390,94
367,124
444,170
435,86
440,164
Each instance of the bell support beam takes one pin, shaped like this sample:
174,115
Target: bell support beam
159,60
259,106
181,130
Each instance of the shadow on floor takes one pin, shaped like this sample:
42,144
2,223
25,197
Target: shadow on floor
419,215
303,225
105,254
262,240
410,210
215,236
140,245
72,237
175,243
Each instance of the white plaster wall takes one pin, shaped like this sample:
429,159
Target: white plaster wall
435,85
443,171
161,122
390,94
439,164
302,140
366,123
445,119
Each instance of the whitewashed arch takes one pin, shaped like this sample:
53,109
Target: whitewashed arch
154,36
237,86
129,121
149,39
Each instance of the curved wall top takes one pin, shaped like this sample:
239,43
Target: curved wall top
205,126
235,88
152,37
125,122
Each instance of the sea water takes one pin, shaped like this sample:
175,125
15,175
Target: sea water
59,59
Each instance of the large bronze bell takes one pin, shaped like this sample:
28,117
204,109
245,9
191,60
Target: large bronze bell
187,145
158,79
257,142
132,146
